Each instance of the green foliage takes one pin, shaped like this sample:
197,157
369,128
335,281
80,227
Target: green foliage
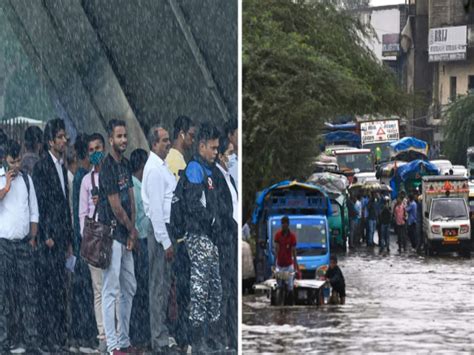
303,62
459,129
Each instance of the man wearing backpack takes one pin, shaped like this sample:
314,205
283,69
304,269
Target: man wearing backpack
18,228
200,200
157,192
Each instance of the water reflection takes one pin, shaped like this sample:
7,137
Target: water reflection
394,304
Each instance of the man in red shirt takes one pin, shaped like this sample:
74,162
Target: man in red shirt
285,243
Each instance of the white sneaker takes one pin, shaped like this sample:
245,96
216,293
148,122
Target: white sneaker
73,349
87,350
172,342
18,350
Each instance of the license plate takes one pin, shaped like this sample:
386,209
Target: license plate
451,240
450,232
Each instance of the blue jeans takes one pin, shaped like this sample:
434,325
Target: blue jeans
118,280
385,238
290,282
372,225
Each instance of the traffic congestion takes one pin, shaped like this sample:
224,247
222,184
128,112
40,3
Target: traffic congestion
371,194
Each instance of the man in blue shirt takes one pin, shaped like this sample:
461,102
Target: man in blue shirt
412,217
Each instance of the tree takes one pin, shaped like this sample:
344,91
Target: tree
303,62
459,129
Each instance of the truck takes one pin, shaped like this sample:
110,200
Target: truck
358,163
377,135
308,208
336,186
446,224
409,176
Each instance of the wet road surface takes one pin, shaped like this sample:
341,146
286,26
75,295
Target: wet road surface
395,303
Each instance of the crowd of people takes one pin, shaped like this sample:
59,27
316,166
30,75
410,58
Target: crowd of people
172,277
375,211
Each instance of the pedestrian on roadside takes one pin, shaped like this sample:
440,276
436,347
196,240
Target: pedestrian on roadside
184,132
33,148
354,219
82,337
399,213
365,218
232,133
183,139
55,236
371,219
411,210
140,334
201,203
385,222
419,222
117,208
88,202
19,217
226,235
157,194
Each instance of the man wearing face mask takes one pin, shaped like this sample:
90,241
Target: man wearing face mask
157,192
88,198
226,237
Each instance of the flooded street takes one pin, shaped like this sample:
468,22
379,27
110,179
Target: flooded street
402,304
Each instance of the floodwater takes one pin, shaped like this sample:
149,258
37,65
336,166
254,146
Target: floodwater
395,303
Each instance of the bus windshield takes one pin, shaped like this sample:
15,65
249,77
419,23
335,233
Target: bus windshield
359,163
384,151
311,239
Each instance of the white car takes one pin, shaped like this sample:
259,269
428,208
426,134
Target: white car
443,165
460,170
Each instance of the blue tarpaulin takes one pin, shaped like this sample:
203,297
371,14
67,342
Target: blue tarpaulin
283,185
409,143
343,126
342,137
410,171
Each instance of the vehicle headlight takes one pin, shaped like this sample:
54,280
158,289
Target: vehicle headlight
321,271
464,229
436,229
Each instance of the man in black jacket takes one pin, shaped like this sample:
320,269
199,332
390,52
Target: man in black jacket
226,237
201,205
55,235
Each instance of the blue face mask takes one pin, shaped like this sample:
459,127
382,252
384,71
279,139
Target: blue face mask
96,157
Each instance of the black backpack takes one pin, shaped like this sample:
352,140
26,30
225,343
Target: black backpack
178,207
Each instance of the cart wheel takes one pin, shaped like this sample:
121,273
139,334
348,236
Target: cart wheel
273,297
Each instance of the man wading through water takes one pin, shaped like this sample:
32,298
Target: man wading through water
285,243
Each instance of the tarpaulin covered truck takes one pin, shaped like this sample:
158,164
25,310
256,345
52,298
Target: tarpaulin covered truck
446,224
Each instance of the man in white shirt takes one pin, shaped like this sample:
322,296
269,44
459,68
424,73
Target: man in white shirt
158,186
18,228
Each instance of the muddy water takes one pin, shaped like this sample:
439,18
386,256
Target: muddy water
397,303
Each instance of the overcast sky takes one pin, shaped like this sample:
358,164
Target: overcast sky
386,2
